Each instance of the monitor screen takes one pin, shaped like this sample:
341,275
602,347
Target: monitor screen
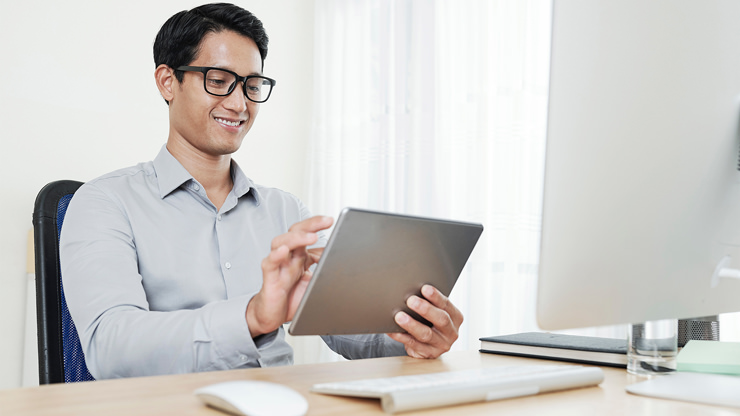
642,190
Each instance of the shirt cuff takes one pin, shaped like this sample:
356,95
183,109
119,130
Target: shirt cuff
233,345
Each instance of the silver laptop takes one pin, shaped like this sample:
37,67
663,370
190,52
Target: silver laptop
373,262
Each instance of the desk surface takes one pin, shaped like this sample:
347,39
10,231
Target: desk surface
172,395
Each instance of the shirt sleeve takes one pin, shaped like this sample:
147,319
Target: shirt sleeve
354,347
120,335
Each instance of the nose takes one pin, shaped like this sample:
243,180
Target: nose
236,101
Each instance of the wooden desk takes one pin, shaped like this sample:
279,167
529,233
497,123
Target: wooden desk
172,395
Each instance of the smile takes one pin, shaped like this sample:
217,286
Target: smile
229,123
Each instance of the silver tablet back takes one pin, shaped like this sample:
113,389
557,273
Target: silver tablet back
373,262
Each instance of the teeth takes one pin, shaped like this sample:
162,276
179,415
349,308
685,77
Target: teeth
228,123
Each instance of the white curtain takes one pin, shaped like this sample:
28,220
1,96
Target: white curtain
438,108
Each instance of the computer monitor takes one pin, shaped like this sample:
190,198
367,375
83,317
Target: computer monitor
642,190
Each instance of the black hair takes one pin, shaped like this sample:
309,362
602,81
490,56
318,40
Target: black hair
178,41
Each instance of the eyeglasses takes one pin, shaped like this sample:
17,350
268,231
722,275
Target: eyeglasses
221,82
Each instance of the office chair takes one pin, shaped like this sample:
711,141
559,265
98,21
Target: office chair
61,359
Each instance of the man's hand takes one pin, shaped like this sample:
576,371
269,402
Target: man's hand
285,276
420,340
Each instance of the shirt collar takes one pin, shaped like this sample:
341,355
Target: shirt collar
171,175
242,184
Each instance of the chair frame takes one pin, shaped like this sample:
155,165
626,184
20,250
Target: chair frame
48,284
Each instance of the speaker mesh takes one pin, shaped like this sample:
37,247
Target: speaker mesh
706,329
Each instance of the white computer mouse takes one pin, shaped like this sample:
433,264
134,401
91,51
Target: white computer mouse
254,398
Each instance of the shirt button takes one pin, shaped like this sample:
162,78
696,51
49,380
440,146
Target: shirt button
243,358
219,217
227,265
196,187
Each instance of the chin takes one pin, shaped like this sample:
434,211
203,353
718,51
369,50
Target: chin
230,149
227,147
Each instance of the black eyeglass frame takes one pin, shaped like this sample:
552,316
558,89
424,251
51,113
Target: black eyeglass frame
204,70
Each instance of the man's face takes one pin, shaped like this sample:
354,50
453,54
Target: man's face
211,125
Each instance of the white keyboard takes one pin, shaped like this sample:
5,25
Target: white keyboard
405,393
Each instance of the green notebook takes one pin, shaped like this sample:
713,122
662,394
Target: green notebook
710,357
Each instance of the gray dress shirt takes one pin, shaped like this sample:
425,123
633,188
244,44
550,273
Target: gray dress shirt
157,279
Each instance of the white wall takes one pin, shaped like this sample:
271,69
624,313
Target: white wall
77,99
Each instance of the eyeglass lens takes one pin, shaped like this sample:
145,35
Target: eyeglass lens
219,82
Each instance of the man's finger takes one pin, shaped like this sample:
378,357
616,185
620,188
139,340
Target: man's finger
294,240
313,224
417,330
276,257
302,234
439,318
315,253
436,298
414,347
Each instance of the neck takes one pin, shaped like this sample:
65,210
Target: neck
212,172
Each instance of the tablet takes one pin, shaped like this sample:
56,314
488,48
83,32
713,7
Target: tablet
373,262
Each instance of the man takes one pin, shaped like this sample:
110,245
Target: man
183,264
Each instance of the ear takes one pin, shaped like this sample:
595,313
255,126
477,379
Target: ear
164,76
